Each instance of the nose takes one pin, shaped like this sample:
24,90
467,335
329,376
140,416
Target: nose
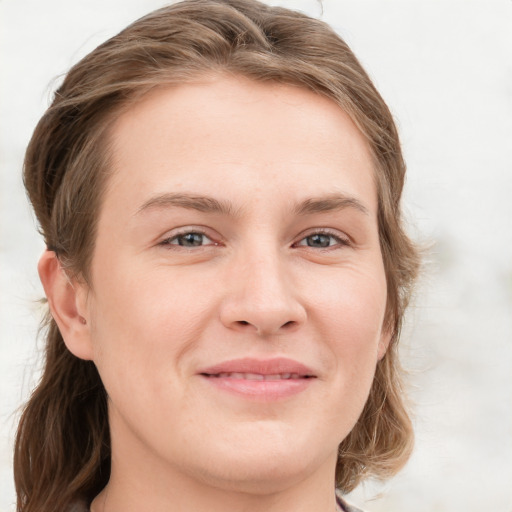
262,298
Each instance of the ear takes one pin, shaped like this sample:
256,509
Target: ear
385,339
68,305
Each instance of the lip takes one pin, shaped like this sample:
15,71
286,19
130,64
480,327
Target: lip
260,366
294,377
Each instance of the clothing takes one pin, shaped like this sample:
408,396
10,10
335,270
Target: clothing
344,506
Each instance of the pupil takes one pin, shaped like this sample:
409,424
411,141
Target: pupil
191,239
318,240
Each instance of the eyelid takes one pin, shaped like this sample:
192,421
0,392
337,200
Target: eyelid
173,234
344,239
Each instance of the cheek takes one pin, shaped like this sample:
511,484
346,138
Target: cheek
143,324
351,301
349,311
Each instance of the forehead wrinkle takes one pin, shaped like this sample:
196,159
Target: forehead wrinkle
190,201
329,203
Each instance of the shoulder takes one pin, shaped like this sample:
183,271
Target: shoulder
344,506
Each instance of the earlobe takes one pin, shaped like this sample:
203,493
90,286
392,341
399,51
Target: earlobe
67,306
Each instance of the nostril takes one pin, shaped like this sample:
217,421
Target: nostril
243,322
291,323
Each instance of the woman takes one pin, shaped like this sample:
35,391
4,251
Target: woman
219,191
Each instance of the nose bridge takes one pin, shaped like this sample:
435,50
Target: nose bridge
268,283
263,297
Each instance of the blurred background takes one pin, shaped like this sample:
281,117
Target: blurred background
445,69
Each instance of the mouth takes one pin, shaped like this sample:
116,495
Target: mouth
257,376
262,380
277,368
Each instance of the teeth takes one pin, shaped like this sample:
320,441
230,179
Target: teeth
256,376
251,376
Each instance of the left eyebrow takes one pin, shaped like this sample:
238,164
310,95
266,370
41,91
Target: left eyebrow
328,204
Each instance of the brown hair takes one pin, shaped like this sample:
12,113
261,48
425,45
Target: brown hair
62,450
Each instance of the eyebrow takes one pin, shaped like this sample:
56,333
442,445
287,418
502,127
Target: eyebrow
192,202
334,202
207,204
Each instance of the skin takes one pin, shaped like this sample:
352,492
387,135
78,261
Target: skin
258,284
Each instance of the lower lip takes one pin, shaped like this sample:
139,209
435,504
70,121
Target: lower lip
264,390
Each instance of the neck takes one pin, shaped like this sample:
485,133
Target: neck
113,499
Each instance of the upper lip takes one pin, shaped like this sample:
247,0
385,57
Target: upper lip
272,366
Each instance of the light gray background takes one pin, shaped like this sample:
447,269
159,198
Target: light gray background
445,69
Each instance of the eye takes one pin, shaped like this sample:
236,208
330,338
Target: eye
188,239
322,240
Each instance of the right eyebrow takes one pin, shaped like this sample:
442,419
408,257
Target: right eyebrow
189,201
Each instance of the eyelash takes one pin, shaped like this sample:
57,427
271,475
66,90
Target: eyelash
168,241
340,241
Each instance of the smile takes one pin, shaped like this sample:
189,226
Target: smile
259,380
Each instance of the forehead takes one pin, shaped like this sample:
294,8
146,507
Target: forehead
224,134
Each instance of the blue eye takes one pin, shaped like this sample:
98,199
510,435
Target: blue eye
189,239
322,241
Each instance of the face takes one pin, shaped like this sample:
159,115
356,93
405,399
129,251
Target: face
237,285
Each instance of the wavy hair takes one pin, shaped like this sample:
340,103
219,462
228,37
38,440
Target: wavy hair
62,450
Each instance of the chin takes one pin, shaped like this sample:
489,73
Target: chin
256,478
262,469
